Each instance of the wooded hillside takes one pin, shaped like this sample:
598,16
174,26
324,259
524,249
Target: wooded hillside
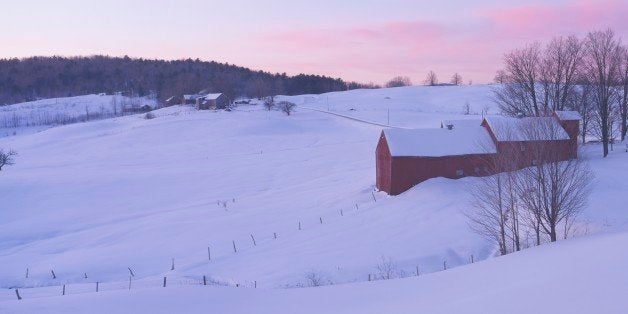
45,77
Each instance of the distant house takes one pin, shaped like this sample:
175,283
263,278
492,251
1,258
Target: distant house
462,148
191,99
212,101
174,100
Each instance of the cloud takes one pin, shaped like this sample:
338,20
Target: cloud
473,46
542,20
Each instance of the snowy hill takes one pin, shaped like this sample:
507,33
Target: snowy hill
585,275
294,195
59,111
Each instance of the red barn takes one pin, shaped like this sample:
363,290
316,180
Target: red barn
406,157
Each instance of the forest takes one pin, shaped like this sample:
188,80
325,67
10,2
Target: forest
35,78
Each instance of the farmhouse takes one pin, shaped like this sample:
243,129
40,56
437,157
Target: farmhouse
191,99
462,148
212,101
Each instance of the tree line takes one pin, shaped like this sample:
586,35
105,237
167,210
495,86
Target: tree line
46,77
588,75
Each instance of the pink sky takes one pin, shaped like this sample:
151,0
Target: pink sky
366,41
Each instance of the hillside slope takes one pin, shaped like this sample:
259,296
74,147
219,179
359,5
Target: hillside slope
98,198
586,275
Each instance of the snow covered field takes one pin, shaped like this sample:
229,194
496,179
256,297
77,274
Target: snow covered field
43,113
98,198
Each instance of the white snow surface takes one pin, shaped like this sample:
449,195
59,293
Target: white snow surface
581,276
521,129
98,197
568,115
439,142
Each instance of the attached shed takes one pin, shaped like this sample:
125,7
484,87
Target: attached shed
191,99
213,101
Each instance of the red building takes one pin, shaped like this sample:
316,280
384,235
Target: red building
462,148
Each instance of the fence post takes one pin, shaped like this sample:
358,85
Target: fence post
172,268
204,281
373,194
321,219
299,225
417,270
234,247
164,281
26,272
53,274
209,254
129,282
255,283
17,293
444,265
63,293
85,275
356,206
96,286
341,214
369,277
252,238
131,271
275,235
471,258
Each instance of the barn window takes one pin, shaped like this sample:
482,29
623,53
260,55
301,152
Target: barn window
459,173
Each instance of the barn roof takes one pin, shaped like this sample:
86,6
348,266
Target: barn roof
568,115
526,129
439,142
191,96
212,96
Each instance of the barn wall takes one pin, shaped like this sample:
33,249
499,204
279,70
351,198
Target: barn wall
222,102
410,171
525,154
383,164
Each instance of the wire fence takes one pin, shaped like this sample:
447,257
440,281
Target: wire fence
385,270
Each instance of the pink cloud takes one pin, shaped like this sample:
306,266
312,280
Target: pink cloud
543,20
473,47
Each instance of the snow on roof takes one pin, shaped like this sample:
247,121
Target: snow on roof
568,115
526,129
191,96
466,123
212,96
439,142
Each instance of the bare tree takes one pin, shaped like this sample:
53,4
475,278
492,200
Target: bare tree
581,100
387,268
286,107
553,190
500,77
520,94
603,67
316,279
399,81
456,79
431,79
7,158
269,103
488,215
466,108
493,213
561,60
623,99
